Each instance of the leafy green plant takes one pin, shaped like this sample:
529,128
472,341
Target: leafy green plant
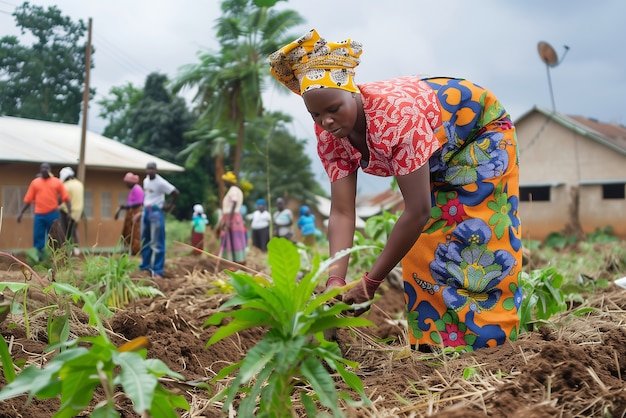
19,303
293,351
111,276
375,234
558,240
543,296
75,373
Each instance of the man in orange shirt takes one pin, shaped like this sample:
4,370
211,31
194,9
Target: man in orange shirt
46,192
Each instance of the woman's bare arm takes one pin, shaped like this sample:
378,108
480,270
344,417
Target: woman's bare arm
415,188
342,219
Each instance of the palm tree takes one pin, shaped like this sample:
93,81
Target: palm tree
229,83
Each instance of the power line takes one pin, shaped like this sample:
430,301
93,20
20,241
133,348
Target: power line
6,13
121,62
8,3
122,55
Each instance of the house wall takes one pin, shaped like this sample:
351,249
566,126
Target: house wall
550,154
596,212
104,191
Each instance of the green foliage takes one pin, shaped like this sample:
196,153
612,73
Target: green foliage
276,159
375,234
602,235
543,296
293,351
155,121
19,303
43,80
229,82
111,277
91,362
117,109
558,240
6,360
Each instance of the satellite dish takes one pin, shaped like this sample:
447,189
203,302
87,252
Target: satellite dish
548,54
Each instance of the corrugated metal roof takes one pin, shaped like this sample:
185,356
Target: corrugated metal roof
596,131
29,140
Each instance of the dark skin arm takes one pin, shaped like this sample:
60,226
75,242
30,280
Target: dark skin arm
341,221
415,188
169,205
24,209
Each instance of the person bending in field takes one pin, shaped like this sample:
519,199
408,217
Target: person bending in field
452,148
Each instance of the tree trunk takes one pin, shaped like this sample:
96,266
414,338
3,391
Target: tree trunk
219,172
239,146
573,226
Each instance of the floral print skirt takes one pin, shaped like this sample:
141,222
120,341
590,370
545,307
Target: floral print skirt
461,276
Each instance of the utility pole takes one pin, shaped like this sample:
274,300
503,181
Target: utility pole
83,135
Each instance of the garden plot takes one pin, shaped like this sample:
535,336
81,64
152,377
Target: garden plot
572,365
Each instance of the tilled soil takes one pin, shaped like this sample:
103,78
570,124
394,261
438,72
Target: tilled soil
574,366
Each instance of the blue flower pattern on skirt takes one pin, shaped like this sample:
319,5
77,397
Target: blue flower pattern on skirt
467,270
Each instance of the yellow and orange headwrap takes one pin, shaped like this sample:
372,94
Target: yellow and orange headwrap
310,62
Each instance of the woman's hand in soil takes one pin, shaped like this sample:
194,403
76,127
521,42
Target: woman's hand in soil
364,291
335,281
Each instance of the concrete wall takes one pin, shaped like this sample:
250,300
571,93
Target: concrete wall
99,229
552,154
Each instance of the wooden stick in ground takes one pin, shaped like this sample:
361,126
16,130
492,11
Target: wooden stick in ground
241,266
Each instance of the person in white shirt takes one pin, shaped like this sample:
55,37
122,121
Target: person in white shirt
153,223
260,225
283,220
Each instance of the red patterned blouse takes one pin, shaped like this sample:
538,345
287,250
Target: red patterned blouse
401,116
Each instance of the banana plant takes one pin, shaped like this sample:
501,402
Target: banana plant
293,355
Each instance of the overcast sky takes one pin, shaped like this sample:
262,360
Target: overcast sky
491,42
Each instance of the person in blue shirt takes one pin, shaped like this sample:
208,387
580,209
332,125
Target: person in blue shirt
199,222
306,223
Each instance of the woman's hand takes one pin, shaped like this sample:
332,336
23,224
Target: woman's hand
335,281
362,292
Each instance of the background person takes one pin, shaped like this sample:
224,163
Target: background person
283,220
445,139
131,231
69,220
260,225
153,222
199,222
232,231
45,191
306,224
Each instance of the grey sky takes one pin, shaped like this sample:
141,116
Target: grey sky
491,42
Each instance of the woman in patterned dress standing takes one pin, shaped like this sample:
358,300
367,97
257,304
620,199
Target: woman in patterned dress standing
452,148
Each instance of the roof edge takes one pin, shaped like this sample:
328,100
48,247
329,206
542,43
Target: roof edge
573,125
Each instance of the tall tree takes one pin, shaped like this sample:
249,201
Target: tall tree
43,80
229,83
277,162
160,120
117,110
155,121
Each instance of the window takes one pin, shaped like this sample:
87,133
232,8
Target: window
88,204
12,201
613,191
534,193
106,205
121,198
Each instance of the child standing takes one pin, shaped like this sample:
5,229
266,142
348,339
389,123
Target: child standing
199,222
306,223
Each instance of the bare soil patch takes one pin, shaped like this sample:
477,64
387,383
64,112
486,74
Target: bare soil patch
575,366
